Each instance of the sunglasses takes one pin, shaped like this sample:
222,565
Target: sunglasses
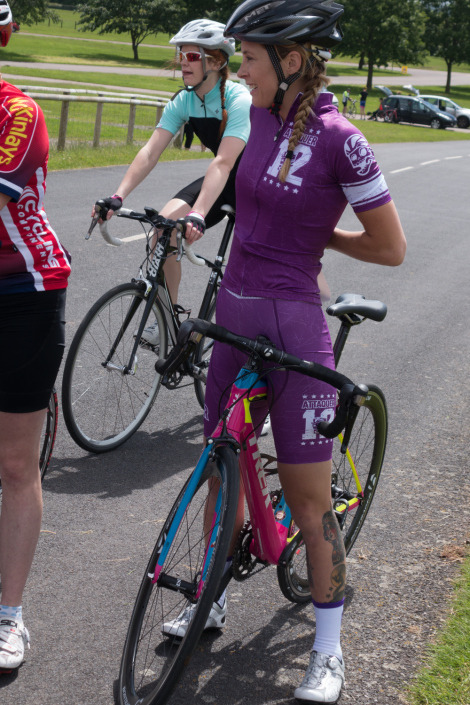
190,56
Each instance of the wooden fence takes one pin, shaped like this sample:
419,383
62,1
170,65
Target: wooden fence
68,96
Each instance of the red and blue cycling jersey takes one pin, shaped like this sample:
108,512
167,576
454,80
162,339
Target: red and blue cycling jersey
31,256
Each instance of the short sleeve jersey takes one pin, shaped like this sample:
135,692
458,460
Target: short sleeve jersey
31,256
205,114
282,229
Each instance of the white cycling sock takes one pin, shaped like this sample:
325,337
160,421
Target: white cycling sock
14,613
328,628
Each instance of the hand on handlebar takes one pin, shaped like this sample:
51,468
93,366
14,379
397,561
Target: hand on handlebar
106,207
195,227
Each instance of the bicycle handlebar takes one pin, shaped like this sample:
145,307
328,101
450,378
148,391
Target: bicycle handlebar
153,218
194,329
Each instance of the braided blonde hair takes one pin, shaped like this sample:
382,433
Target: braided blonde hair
315,79
219,55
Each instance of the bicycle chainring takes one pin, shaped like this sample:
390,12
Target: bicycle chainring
243,562
173,380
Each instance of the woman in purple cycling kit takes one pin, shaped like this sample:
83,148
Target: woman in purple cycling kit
302,164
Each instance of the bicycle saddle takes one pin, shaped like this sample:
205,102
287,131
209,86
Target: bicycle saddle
358,304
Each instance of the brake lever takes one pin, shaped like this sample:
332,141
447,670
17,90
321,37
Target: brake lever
179,241
94,221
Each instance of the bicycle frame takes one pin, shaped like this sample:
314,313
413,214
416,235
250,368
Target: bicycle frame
156,287
270,528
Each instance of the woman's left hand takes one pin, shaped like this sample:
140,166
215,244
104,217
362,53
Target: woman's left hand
195,227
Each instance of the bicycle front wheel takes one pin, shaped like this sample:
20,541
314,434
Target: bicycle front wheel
202,356
184,572
106,396
355,475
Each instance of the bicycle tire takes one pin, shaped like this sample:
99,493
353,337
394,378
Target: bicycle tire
352,498
49,433
202,355
102,406
151,662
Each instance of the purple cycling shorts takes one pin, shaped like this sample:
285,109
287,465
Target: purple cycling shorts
296,402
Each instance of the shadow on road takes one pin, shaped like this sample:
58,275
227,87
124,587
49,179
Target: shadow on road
146,460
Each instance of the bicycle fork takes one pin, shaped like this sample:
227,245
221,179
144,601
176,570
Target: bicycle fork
191,590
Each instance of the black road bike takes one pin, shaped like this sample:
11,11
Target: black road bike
110,383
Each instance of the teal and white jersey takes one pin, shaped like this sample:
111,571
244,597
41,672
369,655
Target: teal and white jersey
205,114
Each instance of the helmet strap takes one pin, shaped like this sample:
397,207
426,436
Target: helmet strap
284,82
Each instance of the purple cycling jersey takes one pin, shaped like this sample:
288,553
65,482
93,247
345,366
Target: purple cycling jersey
276,251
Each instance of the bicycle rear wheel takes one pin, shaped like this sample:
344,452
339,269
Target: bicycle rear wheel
355,475
189,557
49,433
103,401
202,356
293,576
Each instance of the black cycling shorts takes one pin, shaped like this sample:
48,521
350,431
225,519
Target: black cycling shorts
215,215
32,335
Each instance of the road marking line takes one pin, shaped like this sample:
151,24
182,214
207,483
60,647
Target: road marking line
431,161
405,168
131,238
456,157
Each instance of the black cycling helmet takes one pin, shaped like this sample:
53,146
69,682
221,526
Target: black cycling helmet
287,22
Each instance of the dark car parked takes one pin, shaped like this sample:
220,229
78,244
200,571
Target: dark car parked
403,108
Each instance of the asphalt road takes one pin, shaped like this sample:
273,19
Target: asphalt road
101,512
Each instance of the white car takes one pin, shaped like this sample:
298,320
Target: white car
446,105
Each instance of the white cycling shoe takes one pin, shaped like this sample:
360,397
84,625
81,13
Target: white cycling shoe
14,637
323,680
177,627
151,334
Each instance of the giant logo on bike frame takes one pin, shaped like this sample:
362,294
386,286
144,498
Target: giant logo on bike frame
359,153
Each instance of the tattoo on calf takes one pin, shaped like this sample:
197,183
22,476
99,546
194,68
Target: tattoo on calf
332,534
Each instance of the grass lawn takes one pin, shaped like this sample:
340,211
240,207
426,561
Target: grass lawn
445,676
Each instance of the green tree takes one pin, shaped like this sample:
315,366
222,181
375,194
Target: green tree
448,32
32,11
383,31
139,18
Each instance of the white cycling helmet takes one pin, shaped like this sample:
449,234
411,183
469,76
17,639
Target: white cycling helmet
207,34
6,20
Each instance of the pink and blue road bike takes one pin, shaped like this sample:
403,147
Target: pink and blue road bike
187,564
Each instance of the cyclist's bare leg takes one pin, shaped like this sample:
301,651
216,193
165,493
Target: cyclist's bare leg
307,489
174,209
21,512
